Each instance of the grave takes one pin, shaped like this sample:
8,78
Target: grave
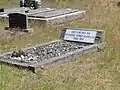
18,22
32,4
73,44
46,15
18,26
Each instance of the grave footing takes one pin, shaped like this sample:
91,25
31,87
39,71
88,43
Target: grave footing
19,29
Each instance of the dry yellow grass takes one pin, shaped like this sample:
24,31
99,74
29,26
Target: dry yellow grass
98,71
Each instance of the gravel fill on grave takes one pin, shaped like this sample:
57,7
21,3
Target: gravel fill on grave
45,52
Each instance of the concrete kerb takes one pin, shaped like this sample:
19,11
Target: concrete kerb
49,62
66,57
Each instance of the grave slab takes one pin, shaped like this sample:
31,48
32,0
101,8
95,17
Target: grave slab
44,55
46,15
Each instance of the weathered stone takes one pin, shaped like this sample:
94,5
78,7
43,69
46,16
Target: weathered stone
18,20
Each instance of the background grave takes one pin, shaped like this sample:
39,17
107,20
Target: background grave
18,22
46,15
61,50
18,25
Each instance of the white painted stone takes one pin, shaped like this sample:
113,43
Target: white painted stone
87,36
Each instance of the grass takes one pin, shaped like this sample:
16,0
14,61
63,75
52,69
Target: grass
8,3
98,71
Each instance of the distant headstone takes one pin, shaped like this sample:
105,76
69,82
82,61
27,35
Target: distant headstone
33,4
18,20
86,36
1,9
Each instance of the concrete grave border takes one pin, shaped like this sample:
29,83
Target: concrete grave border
77,53
73,15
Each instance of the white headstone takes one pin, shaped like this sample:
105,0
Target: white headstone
82,35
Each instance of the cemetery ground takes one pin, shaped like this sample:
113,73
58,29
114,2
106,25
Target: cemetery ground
96,71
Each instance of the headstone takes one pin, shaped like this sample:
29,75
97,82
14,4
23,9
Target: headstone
18,20
80,35
21,3
33,4
1,9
